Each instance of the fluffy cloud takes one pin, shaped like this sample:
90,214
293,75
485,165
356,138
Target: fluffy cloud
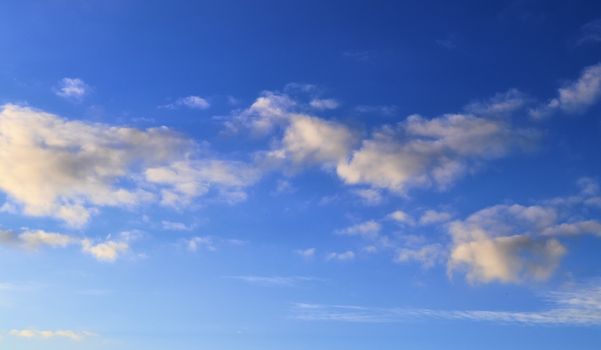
34,333
306,253
434,217
513,243
427,255
325,103
574,97
107,251
72,88
67,169
421,152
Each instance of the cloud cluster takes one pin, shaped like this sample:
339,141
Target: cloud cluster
107,250
67,169
72,88
514,243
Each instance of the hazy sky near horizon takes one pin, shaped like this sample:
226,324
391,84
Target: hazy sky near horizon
300,175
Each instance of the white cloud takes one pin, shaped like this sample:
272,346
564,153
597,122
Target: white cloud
72,88
430,217
306,253
401,217
323,104
341,256
369,196
192,102
67,169
421,152
578,305
574,97
591,32
368,229
37,238
427,255
107,251
500,105
195,243
174,226
311,140
34,333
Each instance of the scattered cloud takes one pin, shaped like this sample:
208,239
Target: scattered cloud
195,243
174,226
107,251
67,334
384,110
401,217
427,255
72,88
369,196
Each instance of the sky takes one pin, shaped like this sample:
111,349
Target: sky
327,175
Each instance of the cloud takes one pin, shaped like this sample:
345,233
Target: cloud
341,256
72,88
574,97
590,32
68,169
385,110
427,255
195,243
369,196
401,217
311,140
420,152
578,305
274,281
67,334
359,56
324,103
430,217
368,229
500,105
107,251
306,253
174,226
515,243
192,102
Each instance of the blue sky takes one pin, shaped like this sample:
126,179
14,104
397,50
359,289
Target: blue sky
300,175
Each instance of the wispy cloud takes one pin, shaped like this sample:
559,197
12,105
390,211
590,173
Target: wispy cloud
48,334
576,306
192,102
590,32
275,281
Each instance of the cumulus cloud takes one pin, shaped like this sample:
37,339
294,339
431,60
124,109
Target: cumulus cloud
107,251
72,88
574,97
67,169
420,152
401,217
63,333
514,243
